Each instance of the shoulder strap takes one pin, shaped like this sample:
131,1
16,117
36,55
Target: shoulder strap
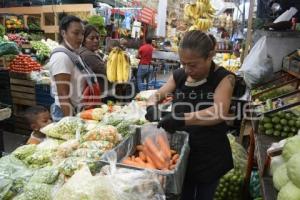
74,58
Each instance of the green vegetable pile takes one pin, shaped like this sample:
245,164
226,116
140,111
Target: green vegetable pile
8,48
230,186
14,174
275,93
47,175
25,151
42,50
65,129
284,124
98,22
286,177
36,191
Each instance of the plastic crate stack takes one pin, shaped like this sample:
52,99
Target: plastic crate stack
43,96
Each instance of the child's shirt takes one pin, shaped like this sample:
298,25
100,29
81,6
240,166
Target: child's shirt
36,138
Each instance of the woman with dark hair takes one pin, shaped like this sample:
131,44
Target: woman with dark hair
202,96
66,84
90,54
74,85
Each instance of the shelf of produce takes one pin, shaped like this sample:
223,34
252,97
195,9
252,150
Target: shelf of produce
262,143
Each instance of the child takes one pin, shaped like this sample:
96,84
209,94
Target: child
38,117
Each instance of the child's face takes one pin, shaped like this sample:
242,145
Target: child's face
42,120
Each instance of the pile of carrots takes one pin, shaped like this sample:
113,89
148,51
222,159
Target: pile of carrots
153,155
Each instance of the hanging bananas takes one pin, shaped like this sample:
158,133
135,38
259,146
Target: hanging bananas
201,15
117,66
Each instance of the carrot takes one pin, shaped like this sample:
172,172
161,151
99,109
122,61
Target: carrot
149,159
139,147
142,156
164,146
139,160
153,149
132,163
87,114
175,158
172,167
149,166
157,163
173,152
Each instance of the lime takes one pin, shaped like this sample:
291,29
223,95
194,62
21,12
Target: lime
283,121
278,127
275,119
283,134
288,116
280,114
291,122
286,129
269,132
298,124
268,126
276,133
294,130
266,120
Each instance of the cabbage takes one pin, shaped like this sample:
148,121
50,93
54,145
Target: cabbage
275,163
293,169
289,192
291,147
280,177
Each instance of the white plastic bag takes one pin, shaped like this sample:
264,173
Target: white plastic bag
257,65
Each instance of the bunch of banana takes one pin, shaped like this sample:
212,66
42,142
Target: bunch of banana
117,66
200,14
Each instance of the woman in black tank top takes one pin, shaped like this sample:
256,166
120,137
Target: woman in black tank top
202,95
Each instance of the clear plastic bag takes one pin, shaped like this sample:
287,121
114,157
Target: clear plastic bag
257,66
13,176
103,133
156,146
239,154
114,184
65,129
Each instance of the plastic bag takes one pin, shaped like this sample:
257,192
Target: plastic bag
156,146
257,66
231,184
72,164
103,133
114,184
239,154
65,129
39,159
47,175
24,151
13,176
36,191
